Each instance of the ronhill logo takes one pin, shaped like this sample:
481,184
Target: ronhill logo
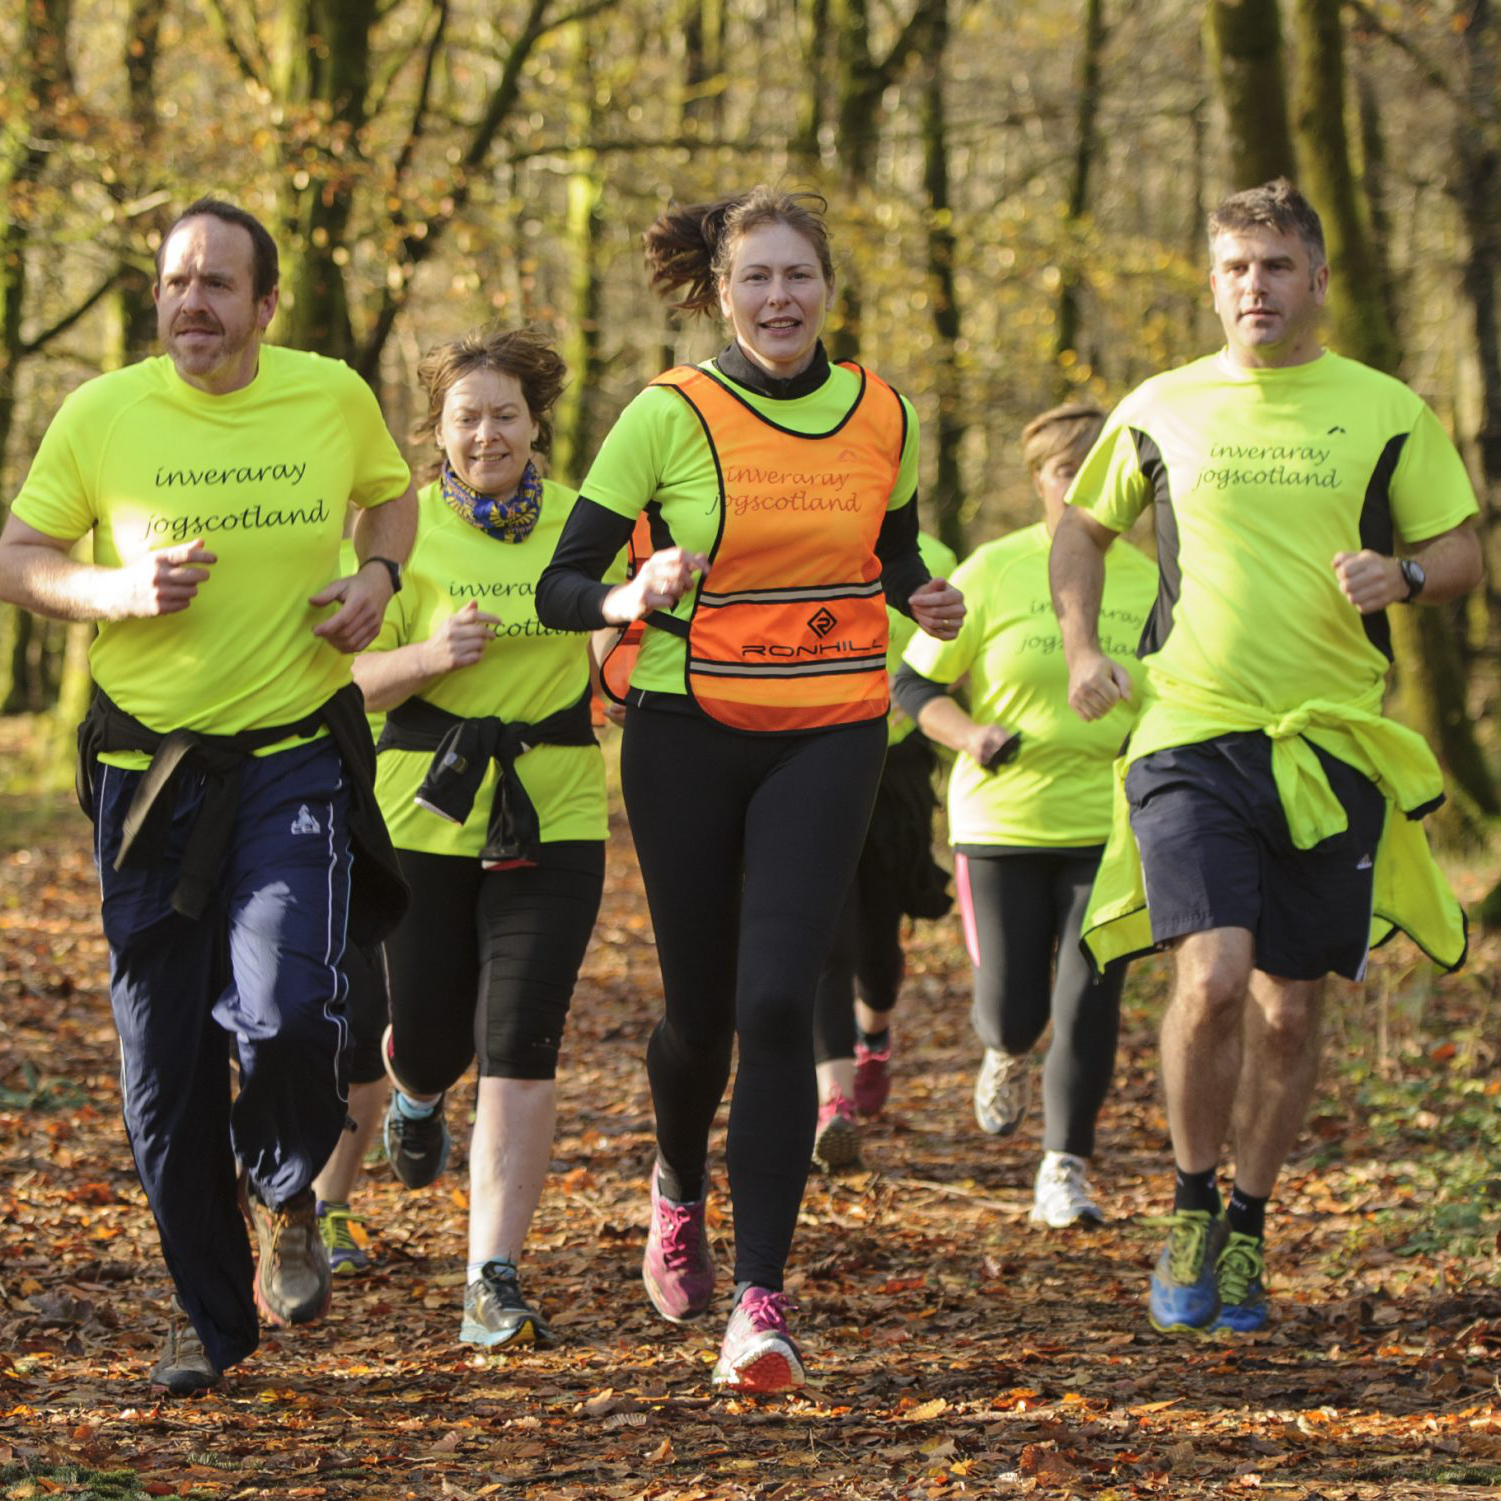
822,623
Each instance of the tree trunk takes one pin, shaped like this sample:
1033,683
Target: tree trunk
1086,148
323,84
132,316
37,82
947,502
574,435
1245,46
1477,148
1432,689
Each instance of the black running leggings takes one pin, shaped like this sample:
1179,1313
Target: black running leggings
484,962
866,959
748,845
1020,912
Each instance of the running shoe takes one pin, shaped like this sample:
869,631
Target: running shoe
758,1354
678,1268
1061,1197
1184,1296
343,1235
418,1149
836,1146
497,1316
872,1078
293,1283
1003,1090
184,1368
1240,1279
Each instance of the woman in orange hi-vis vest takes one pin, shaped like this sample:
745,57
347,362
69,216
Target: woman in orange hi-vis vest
780,491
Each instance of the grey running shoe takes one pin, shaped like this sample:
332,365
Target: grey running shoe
418,1149
496,1314
1062,1194
293,1282
184,1368
1003,1091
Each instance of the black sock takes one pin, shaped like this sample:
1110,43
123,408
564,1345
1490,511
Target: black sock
670,1186
1196,1191
1246,1213
877,1042
741,1288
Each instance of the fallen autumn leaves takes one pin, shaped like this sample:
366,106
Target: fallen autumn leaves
954,1350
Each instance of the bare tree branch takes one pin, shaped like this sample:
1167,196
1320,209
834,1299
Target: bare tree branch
63,324
416,248
1431,73
381,89
424,92
253,69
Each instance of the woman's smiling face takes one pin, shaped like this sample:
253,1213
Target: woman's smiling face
486,430
776,297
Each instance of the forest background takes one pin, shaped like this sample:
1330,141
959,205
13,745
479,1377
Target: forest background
1017,190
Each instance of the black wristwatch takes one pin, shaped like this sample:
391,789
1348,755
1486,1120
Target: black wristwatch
391,566
1414,577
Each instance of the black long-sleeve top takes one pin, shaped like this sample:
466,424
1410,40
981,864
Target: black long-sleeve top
570,595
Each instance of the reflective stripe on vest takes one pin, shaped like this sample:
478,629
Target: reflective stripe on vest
790,633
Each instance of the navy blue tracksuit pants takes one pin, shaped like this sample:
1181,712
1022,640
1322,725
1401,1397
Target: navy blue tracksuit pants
261,971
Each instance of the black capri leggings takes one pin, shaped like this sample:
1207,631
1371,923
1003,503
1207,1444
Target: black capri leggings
747,845
1020,911
368,1012
484,962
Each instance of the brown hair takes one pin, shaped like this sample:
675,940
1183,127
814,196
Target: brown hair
265,270
524,353
1070,430
693,247
1274,205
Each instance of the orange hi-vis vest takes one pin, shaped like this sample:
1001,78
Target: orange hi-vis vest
620,659
788,630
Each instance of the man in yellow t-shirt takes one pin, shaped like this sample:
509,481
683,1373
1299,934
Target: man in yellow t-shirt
1266,794
213,480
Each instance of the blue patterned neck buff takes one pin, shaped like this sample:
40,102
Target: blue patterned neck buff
506,520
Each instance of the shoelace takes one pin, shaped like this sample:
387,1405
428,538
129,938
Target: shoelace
997,1083
766,1311
342,1234
1240,1264
837,1104
1067,1174
503,1284
679,1234
1188,1235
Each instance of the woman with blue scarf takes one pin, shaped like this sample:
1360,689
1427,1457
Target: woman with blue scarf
493,788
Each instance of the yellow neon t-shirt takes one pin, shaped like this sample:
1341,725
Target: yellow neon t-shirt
657,451
263,476
527,672
1258,477
1057,789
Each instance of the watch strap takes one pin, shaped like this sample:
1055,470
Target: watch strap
392,567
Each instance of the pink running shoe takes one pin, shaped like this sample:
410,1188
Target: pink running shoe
678,1268
872,1078
758,1354
836,1145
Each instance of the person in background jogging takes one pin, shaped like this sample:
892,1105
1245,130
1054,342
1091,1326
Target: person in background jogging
1029,810
493,788
1267,810
897,876
225,762
781,493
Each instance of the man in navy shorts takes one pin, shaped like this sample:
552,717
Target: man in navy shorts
1268,825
